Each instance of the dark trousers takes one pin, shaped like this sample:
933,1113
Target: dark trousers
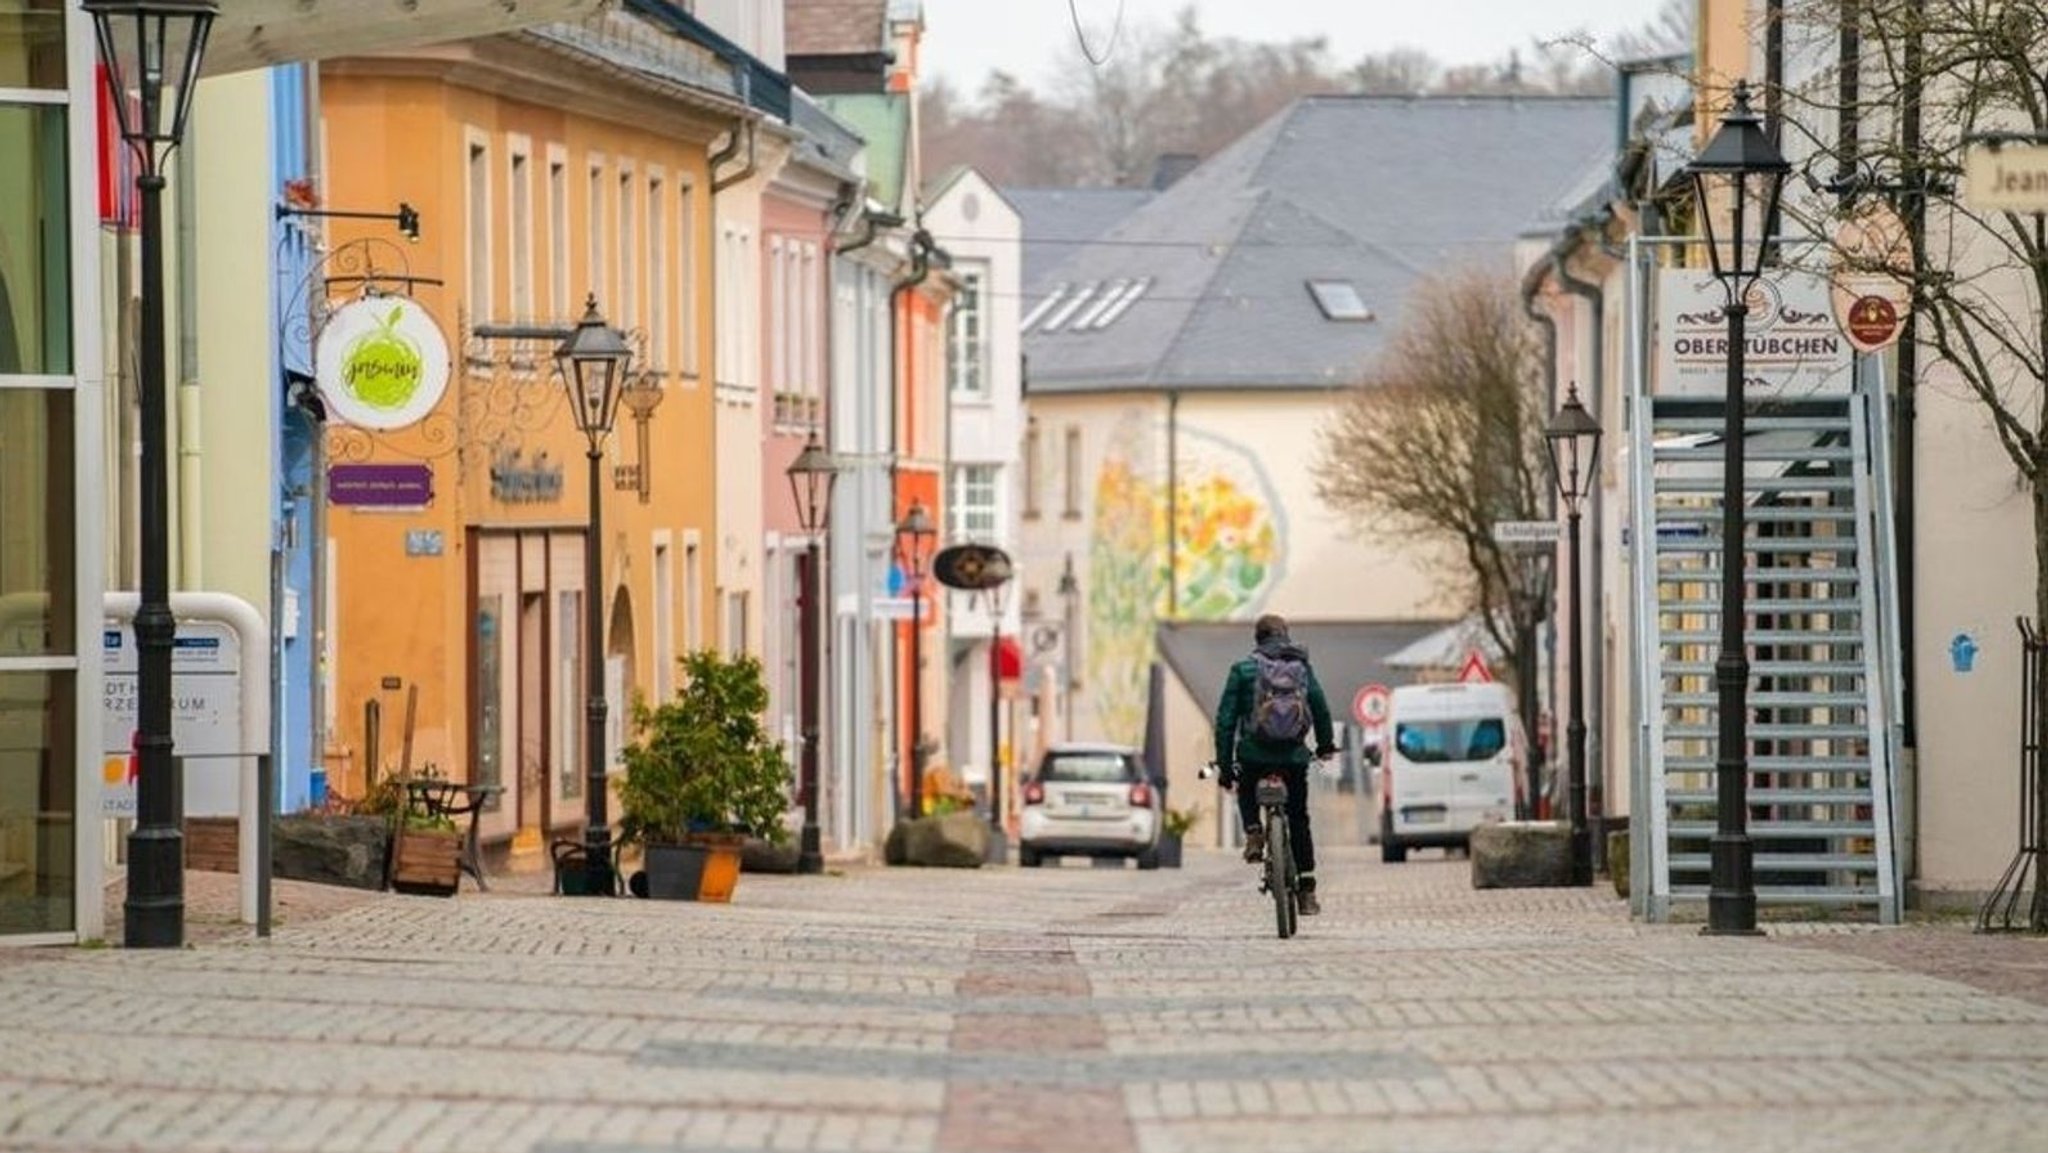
1296,776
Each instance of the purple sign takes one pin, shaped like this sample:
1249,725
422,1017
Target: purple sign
381,485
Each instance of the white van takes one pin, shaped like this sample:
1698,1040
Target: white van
1453,763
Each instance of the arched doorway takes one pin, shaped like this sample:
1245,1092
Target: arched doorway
619,676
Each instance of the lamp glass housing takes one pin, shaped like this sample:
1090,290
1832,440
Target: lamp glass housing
593,362
152,50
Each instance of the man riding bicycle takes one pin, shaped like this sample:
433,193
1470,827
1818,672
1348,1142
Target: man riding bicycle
1270,703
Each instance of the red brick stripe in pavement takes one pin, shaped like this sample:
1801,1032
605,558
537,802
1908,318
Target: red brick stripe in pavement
1011,1117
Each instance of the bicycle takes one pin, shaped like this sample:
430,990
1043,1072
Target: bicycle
1278,877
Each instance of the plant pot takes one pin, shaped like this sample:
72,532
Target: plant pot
675,872
721,874
213,844
1169,851
426,862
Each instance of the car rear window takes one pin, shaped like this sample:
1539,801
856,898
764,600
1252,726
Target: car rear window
1086,767
1436,742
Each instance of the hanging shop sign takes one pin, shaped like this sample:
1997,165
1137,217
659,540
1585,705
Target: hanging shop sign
1870,302
381,363
381,485
972,567
1792,346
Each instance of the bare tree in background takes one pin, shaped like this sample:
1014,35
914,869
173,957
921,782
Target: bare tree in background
1442,439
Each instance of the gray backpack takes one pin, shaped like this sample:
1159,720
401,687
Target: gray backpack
1280,699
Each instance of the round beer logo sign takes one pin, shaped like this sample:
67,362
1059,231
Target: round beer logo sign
1873,322
381,362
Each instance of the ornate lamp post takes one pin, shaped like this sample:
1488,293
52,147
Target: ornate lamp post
914,536
1739,172
1573,438
811,476
151,50
593,364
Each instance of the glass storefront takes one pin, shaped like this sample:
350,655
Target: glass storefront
38,802
32,44
40,669
35,280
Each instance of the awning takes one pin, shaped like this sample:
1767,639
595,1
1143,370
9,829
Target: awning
1347,655
1447,648
259,33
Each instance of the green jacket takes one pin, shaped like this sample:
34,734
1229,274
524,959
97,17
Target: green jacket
1236,708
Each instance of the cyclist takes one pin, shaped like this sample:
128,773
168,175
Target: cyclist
1270,704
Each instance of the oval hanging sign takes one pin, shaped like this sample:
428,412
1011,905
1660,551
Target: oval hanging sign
972,567
381,362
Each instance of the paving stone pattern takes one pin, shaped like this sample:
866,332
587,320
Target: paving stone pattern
1007,1011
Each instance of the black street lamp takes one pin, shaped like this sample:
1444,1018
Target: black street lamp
811,476
151,50
1740,173
914,536
592,362
1573,438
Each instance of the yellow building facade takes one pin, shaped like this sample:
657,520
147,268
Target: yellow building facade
542,176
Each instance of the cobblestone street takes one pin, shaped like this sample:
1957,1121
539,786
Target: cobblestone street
1074,1009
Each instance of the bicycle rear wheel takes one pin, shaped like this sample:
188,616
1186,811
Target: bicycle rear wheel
1280,875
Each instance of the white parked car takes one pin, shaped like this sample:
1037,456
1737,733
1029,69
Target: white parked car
1455,762
1089,800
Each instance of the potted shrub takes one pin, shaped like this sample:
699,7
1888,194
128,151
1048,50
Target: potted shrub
1173,826
701,777
426,848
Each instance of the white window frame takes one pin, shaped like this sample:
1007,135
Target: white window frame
778,321
686,278
477,258
519,206
1071,471
658,326
559,301
594,229
974,492
693,590
967,356
813,353
626,298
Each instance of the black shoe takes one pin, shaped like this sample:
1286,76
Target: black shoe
1255,846
1305,903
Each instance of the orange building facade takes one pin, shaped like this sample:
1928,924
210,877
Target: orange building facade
542,177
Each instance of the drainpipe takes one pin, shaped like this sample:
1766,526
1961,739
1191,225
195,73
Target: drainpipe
1596,664
1532,284
316,625
921,247
190,477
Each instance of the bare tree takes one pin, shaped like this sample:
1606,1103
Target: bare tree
1443,438
1937,76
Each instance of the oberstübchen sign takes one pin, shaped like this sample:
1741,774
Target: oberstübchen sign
1792,346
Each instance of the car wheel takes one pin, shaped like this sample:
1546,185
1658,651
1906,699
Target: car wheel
1149,858
1027,857
1392,852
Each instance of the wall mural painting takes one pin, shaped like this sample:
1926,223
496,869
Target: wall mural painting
1229,555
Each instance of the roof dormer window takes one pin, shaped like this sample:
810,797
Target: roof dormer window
1339,300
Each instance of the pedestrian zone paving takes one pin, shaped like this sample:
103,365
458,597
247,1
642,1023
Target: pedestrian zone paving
1006,1010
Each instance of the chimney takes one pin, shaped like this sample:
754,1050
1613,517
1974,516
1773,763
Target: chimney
1170,167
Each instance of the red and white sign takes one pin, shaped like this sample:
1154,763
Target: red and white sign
1371,705
1475,670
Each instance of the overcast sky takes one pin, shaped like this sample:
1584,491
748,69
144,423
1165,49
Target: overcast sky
967,39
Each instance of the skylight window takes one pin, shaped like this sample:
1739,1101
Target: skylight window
1073,306
1122,304
1339,300
1039,310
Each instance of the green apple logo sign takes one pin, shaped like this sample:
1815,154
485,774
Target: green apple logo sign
381,363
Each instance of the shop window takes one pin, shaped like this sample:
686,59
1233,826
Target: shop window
32,44
35,240
38,571
38,791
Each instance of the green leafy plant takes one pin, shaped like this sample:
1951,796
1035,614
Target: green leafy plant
703,762
1177,822
943,804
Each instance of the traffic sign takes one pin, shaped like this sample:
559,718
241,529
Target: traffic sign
1527,533
1371,705
1475,670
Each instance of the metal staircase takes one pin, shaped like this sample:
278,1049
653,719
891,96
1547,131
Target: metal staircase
1822,636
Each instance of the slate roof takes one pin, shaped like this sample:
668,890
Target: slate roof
1059,221
835,27
1375,191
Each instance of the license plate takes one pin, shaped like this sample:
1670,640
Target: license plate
1425,815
